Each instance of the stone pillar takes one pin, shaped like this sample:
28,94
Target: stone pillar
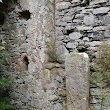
77,81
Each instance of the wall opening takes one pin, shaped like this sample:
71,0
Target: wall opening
25,15
2,18
26,61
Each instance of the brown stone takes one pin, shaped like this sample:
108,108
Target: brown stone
61,91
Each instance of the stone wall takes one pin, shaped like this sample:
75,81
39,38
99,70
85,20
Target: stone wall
27,28
77,81
38,34
81,26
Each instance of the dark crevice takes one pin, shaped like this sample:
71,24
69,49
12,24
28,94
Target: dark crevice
70,31
2,18
25,15
25,61
82,49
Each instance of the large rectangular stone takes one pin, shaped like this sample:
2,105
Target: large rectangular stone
97,2
77,81
101,10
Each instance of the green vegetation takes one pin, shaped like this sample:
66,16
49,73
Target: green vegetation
5,82
102,63
52,53
102,73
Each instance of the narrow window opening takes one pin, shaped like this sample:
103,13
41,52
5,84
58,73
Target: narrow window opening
25,14
25,61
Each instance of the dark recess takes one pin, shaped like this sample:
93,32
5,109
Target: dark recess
2,18
82,49
25,15
25,61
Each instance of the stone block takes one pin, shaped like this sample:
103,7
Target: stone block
101,10
84,28
62,5
77,81
71,45
75,35
58,106
75,1
57,1
97,2
101,28
89,19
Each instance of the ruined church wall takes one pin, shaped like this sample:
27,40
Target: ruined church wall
81,26
37,68
27,28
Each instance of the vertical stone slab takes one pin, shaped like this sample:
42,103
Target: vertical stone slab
77,81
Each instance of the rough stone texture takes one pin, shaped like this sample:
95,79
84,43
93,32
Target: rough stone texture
83,27
101,10
62,5
77,81
27,29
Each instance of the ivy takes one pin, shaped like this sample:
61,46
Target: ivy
5,82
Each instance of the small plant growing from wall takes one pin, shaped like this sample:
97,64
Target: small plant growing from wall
103,61
5,82
52,53
102,67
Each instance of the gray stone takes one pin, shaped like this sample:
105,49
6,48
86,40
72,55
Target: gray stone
69,27
95,91
53,97
67,18
77,81
101,28
94,43
71,45
75,35
97,2
89,19
62,5
59,37
82,28
87,11
79,15
85,39
101,10
105,19
75,1
58,106
107,34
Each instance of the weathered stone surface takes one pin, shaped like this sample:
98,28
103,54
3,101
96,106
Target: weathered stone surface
101,10
107,34
94,43
57,1
71,45
97,2
85,26
82,28
77,81
95,91
75,35
89,19
75,1
101,28
62,5
78,25
58,106
105,19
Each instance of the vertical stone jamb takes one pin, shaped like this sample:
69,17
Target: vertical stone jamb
77,81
